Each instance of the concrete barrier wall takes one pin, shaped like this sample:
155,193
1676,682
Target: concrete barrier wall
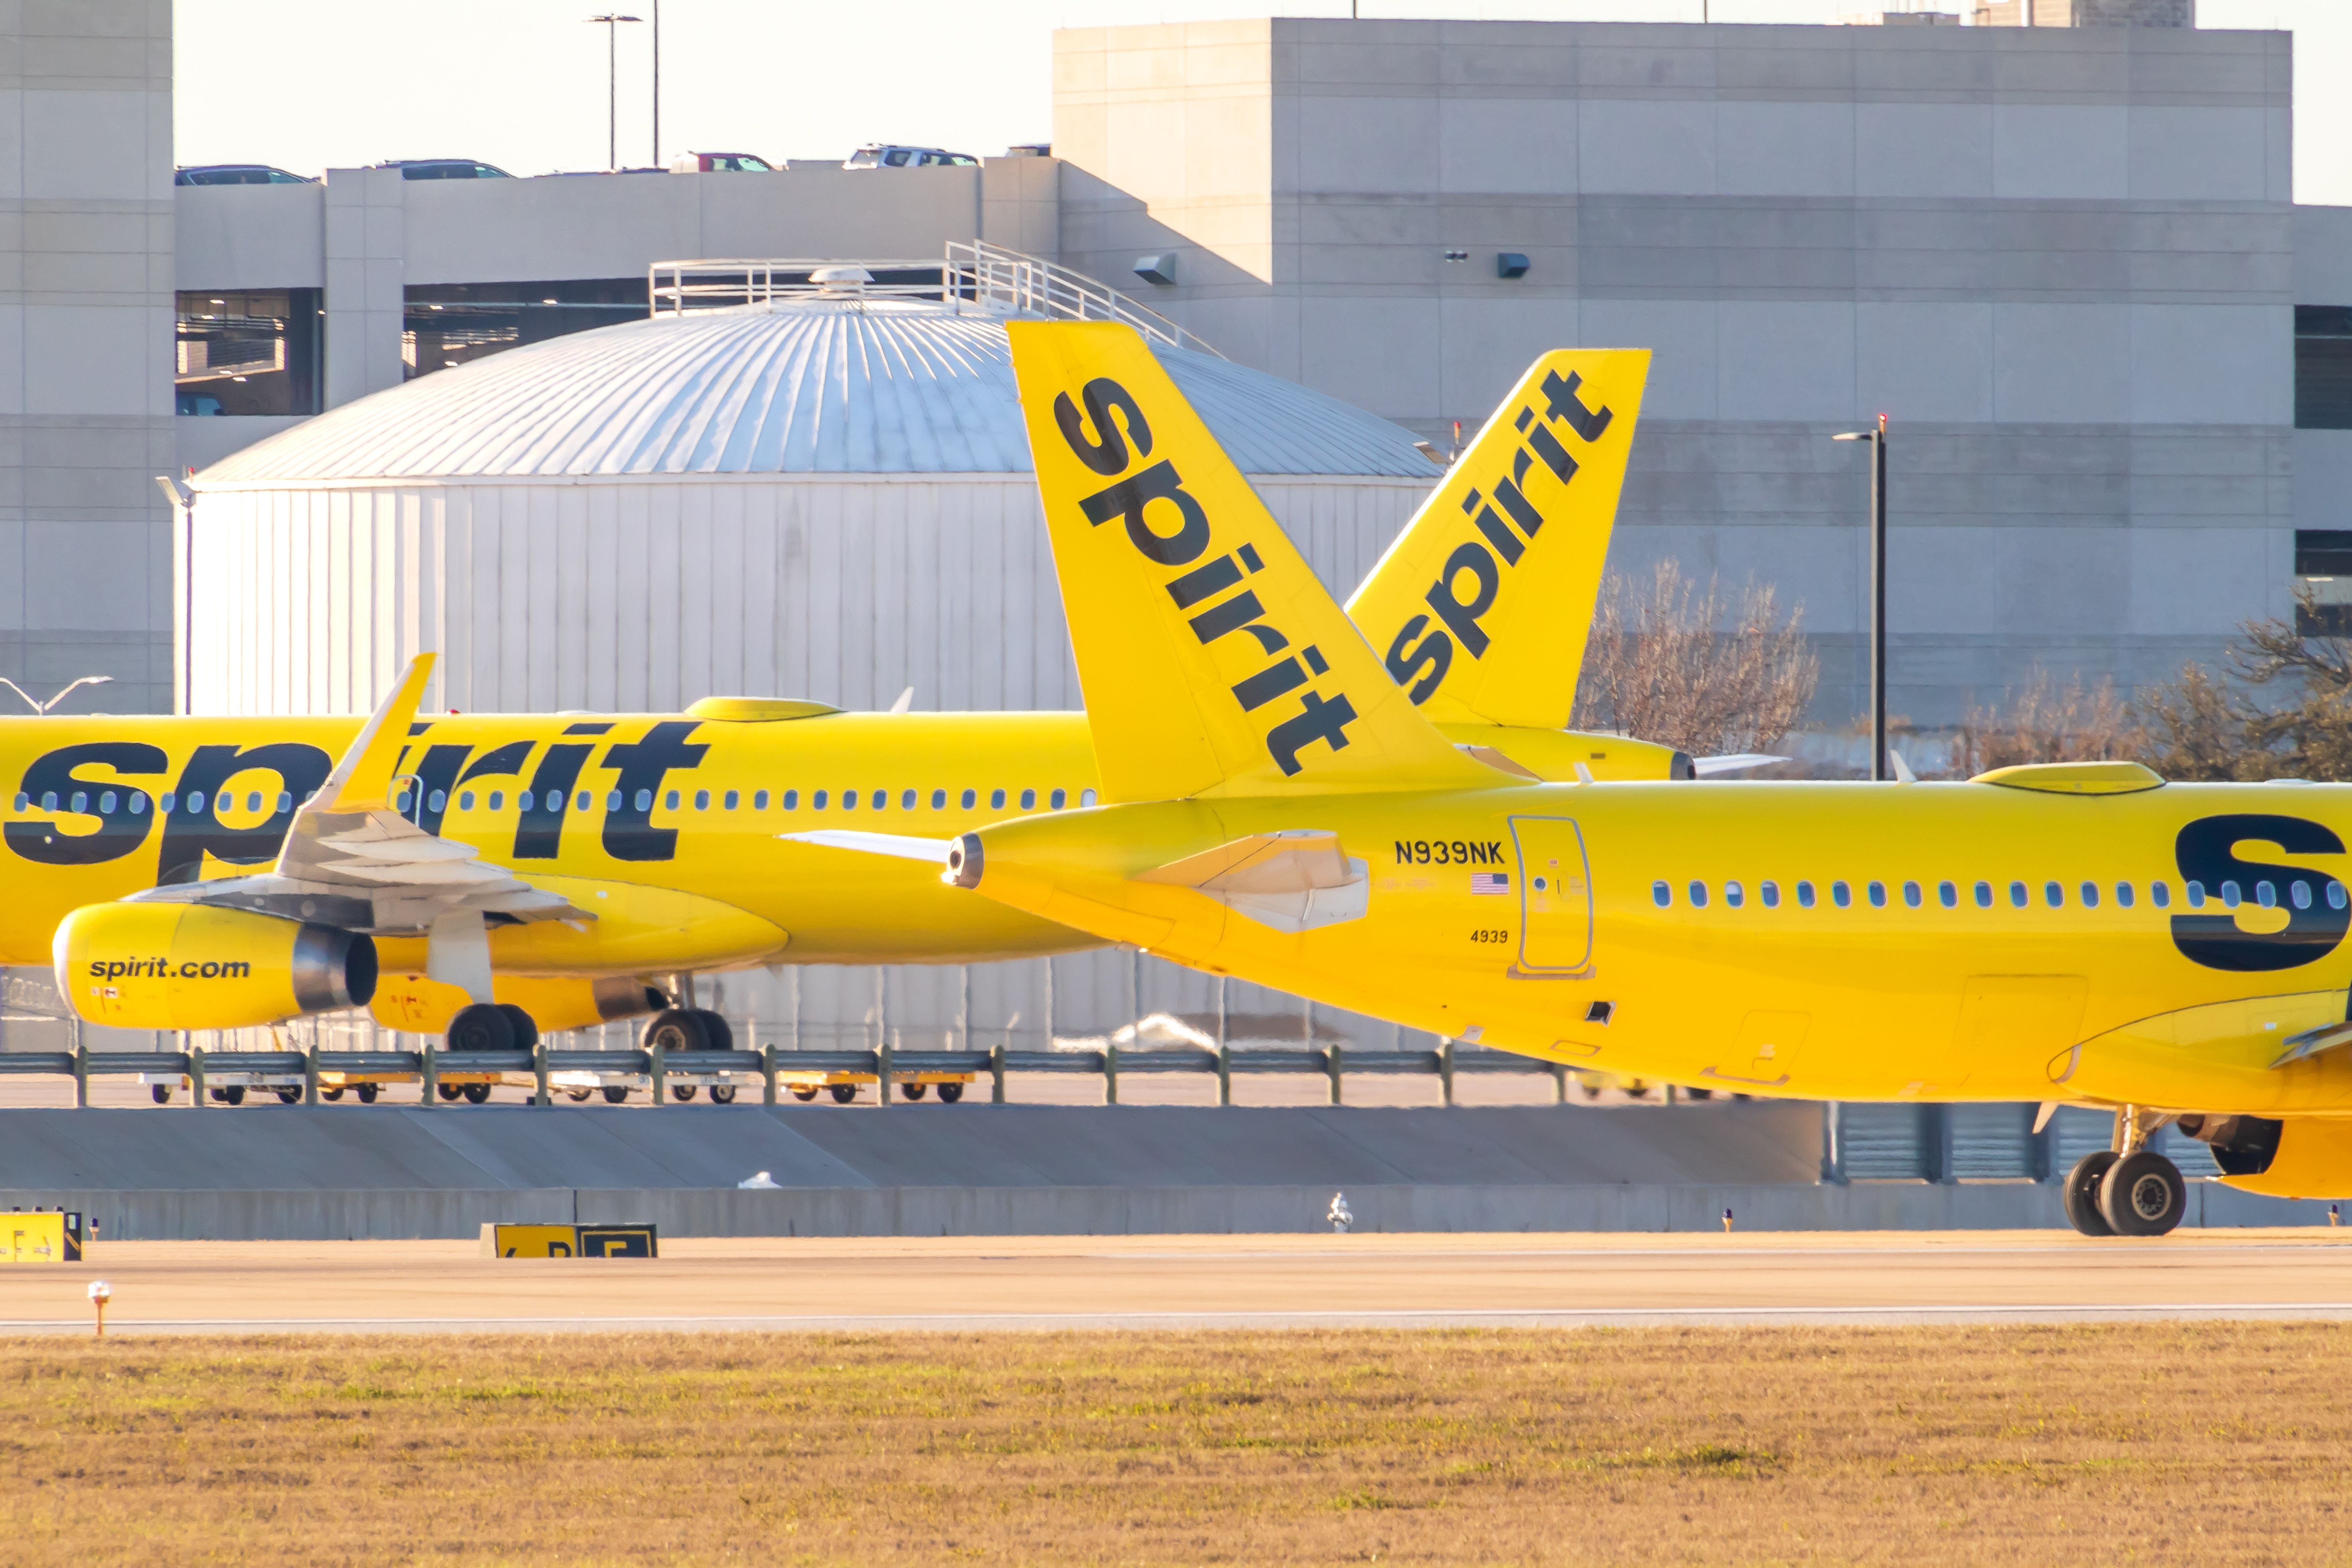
316,1215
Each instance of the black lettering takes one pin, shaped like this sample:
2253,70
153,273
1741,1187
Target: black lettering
1443,859
1435,650
591,727
1495,851
1420,852
500,762
1563,404
2206,851
1128,499
1403,853
1205,582
1461,617
540,834
1554,455
629,833
119,832
1268,684
1108,455
436,777
190,835
1324,720
1507,543
1522,510
1232,616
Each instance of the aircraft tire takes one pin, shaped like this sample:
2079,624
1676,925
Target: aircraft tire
526,1029
2142,1194
2081,1192
950,1093
367,1093
616,1094
477,1093
482,1026
676,1029
716,1035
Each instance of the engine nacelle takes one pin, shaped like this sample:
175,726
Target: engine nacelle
192,966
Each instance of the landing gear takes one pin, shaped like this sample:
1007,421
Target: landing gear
526,1031
675,1029
2142,1194
2081,1194
485,1027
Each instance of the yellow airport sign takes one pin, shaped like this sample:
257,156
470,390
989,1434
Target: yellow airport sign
570,1241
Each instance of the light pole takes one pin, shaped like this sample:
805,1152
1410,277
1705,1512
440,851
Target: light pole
1877,439
611,20
44,708
658,157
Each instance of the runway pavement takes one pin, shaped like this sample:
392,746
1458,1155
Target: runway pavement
1180,1282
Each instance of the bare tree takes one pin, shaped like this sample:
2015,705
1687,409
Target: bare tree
1692,669
2051,724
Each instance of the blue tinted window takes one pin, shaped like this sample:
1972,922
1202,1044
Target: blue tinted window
791,800
1984,895
2195,893
816,801
970,798
2123,895
2017,895
1804,895
758,800
1734,894
1660,895
2298,891
2336,897
2160,894
1947,894
996,799
1911,894
2230,898
2090,891
1841,895
1699,895
1058,798
1878,895
1028,800
2053,895
939,800
849,800
1770,892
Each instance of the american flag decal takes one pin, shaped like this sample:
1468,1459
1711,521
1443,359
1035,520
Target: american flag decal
1489,882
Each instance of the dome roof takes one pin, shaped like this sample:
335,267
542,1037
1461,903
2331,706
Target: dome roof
809,385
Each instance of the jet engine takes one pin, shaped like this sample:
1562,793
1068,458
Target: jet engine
194,966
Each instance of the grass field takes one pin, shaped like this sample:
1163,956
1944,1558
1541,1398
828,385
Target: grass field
2192,1443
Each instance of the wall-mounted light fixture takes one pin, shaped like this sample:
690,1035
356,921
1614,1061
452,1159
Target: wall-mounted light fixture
1511,264
1160,270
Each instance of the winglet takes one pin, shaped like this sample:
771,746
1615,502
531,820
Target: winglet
362,779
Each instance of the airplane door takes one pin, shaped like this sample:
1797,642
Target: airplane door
1555,896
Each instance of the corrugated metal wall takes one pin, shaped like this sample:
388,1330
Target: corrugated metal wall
646,594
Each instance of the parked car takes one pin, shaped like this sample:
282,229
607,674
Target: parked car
882,155
721,163
445,169
236,175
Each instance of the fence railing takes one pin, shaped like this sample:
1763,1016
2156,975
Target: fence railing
1332,1062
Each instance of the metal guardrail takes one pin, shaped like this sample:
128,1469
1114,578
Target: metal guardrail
997,281
884,1066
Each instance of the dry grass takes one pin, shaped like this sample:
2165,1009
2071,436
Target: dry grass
2217,1443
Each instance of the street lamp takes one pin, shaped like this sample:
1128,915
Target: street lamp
1877,439
611,20
44,708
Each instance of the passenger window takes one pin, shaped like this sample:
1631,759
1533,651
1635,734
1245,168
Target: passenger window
435,803
670,800
2230,898
816,801
996,799
2090,895
731,800
50,800
1028,800
758,800
1770,893
849,800
1878,896
2053,895
2017,895
1841,895
2336,897
906,800
1699,895
939,800
465,800
1947,894
163,806
970,798
791,800
1911,894
702,800
2265,894
2123,895
1733,895
881,800
1660,895
1804,895
2194,892
2160,894
2298,892
139,808
1057,799
195,802
1086,797
252,802
80,800
1984,895
106,808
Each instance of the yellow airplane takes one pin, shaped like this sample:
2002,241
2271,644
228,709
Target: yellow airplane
1274,808
490,876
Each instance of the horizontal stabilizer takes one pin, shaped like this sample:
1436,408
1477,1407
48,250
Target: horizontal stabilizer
1289,881
1734,763
896,845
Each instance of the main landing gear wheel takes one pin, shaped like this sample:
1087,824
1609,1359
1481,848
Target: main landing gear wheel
526,1031
484,1027
2081,1192
2142,1194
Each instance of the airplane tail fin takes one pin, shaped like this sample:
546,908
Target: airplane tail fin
1212,659
1481,608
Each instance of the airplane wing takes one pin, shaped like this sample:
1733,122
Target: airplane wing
351,860
896,845
1736,762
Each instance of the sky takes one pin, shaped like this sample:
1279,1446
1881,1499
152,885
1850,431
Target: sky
313,84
